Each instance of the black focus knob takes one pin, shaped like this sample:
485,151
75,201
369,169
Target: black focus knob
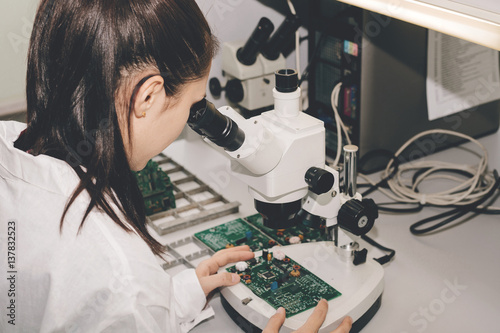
319,180
234,91
358,217
215,87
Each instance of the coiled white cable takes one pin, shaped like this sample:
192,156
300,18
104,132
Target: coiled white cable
403,188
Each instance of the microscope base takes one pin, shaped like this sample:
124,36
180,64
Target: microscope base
361,287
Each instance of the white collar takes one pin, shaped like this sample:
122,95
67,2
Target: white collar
43,171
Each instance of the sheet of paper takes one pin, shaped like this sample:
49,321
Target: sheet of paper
460,75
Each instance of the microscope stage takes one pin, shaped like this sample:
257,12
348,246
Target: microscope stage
361,288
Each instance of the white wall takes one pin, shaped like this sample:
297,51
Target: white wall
16,20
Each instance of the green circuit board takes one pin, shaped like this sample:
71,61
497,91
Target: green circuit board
285,283
282,236
156,188
234,233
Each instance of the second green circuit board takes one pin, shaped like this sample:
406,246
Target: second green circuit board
234,233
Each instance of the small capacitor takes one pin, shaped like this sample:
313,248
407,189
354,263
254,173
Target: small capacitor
264,254
269,257
249,235
274,285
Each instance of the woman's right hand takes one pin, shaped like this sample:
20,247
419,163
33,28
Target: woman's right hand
312,324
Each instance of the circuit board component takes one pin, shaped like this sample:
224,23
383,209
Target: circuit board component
156,188
251,231
285,283
234,233
283,236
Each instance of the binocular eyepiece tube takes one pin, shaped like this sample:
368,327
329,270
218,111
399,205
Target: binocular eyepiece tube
207,121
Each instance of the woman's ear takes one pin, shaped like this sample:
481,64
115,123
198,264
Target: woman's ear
150,93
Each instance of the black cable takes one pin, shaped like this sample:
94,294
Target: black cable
454,213
382,182
487,211
305,73
417,207
382,260
374,154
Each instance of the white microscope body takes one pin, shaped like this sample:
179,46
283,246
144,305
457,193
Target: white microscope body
249,86
280,154
250,66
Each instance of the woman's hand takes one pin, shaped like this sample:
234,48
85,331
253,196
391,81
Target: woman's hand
207,269
312,324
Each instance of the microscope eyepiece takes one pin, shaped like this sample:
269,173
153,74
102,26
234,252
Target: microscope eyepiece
279,41
206,120
247,55
287,80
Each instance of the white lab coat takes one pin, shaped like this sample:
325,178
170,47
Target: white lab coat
101,279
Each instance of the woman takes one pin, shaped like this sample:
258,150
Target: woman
109,86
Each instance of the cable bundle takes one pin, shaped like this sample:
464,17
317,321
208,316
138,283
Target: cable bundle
404,181
473,184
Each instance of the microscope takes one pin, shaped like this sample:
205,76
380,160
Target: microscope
280,155
249,66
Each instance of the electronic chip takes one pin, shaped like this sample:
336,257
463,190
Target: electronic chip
268,275
275,285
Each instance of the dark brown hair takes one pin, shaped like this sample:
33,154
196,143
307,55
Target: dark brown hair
78,52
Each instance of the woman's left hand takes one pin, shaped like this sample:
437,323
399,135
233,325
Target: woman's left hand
207,269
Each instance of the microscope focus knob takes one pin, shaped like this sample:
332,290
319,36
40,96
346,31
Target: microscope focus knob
234,91
215,87
319,180
358,217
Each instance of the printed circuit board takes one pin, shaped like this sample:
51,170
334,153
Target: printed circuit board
156,188
234,233
251,231
282,236
282,282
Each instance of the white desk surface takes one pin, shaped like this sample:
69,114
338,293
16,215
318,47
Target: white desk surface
445,282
